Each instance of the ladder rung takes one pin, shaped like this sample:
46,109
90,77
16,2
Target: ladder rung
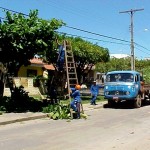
70,62
72,78
71,67
68,45
70,56
69,50
71,73
73,84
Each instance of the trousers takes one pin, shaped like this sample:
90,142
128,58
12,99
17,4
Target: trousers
93,100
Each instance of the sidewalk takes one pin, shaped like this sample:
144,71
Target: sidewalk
8,118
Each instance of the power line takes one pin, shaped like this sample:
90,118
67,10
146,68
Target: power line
92,38
96,34
102,41
142,51
14,11
73,27
86,32
141,46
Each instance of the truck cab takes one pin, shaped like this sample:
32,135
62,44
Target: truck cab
123,85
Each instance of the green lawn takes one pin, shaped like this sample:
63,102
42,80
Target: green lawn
85,99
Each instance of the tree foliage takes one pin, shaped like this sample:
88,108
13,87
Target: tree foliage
22,37
141,66
86,54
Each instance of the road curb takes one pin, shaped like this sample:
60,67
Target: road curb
23,119
40,116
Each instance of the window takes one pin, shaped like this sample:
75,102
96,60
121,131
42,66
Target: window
31,73
120,77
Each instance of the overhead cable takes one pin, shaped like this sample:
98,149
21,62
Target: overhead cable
82,30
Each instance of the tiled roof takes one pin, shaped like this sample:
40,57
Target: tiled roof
39,62
49,67
36,61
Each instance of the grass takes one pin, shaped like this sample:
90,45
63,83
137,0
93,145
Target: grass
85,99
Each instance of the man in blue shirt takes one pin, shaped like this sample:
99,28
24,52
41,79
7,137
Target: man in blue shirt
61,56
94,92
75,104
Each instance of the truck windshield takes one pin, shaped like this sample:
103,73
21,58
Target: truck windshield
120,77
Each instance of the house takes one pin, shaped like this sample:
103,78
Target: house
27,74
36,68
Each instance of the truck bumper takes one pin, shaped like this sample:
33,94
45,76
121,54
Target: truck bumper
119,98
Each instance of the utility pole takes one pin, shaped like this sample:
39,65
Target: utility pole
132,41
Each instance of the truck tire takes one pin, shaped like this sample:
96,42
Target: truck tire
111,103
138,101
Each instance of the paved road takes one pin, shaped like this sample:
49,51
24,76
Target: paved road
105,129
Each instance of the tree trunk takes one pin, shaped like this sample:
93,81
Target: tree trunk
1,88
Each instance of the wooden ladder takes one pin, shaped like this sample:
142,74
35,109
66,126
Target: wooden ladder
71,73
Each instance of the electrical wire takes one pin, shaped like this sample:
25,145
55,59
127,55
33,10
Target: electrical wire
97,34
14,11
92,38
89,32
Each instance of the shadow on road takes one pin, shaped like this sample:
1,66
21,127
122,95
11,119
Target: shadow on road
124,105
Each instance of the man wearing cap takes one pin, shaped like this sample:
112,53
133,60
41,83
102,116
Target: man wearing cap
94,92
75,104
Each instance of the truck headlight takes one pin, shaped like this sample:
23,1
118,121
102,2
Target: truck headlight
127,93
129,86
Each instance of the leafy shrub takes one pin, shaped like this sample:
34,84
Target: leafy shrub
19,98
58,111
20,102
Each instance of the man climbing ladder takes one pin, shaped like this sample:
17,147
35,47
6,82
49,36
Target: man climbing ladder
66,57
72,80
61,57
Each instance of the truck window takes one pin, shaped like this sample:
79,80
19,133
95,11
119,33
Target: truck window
137,78
120,77
141,78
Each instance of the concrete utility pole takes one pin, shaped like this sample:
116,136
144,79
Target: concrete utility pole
132,41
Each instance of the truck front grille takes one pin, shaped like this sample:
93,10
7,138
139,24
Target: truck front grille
117,93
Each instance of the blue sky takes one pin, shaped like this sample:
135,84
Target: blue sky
96,16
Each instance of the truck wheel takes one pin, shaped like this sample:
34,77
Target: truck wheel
111,103
138,102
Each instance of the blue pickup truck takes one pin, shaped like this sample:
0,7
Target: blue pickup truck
124,85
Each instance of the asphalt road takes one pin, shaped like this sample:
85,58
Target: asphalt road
105,129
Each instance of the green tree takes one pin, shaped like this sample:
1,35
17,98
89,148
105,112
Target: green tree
22,37
141,66
86,55
114,64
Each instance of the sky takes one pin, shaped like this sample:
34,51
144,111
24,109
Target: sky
97,21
